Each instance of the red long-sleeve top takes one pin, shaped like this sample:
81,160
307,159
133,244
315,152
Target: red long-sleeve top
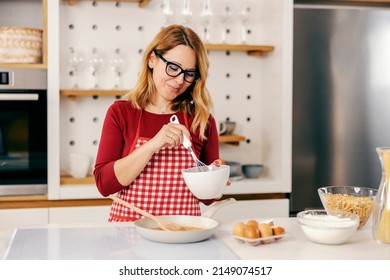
119,132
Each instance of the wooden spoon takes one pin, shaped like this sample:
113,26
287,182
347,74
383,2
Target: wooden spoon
163,224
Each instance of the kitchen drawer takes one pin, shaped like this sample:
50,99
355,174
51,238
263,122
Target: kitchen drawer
24,217
246,209
83,214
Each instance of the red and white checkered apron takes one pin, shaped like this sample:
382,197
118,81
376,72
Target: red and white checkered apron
159,189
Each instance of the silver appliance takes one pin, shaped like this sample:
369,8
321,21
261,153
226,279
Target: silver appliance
23,132
341,96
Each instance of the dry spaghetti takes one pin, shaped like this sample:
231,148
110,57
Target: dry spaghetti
382,231
362,206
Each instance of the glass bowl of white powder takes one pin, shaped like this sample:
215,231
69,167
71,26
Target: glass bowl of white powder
328,227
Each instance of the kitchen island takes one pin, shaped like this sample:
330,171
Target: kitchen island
121,241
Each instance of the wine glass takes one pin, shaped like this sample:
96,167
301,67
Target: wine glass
118,64
76,61
96,64
186,12
205,19
167,12
224,14
244,17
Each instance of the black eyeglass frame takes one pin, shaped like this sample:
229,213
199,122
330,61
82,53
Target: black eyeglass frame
167,63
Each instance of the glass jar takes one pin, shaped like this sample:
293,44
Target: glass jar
381,214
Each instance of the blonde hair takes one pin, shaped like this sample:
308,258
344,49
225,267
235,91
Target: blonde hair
196,100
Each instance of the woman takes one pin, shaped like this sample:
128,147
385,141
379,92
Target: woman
140,156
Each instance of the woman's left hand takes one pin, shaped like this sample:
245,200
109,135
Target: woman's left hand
218,162
207,202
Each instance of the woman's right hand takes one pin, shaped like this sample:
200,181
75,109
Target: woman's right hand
170,135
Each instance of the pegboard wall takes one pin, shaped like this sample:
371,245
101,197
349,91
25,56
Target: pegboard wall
239,84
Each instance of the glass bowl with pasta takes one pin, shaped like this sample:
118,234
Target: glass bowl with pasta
354,199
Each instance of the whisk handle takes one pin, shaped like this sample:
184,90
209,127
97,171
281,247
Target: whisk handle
186,142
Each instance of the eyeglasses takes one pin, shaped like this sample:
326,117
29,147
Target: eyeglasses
174,70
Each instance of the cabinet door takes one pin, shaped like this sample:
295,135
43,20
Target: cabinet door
246,209
84,214
23,217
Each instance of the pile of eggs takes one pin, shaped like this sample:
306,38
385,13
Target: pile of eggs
258,232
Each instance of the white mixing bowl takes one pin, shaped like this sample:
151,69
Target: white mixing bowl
328,227
207,184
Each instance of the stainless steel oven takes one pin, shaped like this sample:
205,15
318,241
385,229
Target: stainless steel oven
23,132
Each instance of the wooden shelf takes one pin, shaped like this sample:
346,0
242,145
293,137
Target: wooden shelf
93,92
23,65
65,180
231,139
252,50
141,3
21,198
17,202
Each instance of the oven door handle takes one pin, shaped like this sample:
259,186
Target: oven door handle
19,96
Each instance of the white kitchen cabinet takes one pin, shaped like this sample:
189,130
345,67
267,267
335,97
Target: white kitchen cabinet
24,217
84,214
247,209
54,215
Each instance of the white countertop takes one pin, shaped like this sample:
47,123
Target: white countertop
121,241
295,246
115,241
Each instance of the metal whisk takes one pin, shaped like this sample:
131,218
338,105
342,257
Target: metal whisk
202,167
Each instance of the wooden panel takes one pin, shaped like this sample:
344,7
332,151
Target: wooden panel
23,65
43,202
71,92
231,138
142,3
44,47
22,198
249,49
16,204
77,181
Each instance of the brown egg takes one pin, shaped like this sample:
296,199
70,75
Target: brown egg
239,229
271,223
251,232
265,231
277,231
252,223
